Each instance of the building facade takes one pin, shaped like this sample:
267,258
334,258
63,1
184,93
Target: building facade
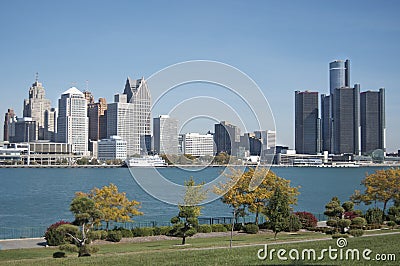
373,127
339,74
23,130
97,119
306,123
9,118
129,116
326,123
226,138
346,120
197,144
114,148
36,106
50,124
165,134
72,121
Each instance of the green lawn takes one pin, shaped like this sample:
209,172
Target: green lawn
206,251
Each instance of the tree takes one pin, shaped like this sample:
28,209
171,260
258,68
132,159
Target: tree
333,209
237,193
86,216
278,211
186,222
114,205
381,186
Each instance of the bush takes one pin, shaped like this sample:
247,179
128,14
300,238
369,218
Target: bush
59,254
161,230
143,231
356,232
344,223
69,248
238,227
294,223
350,215
374,216
358,222
218,228
391,224
348,206
125,232
114,236
204,228
54,237
307,219
95,235
251,228
331,223
372,226
228,227
334,236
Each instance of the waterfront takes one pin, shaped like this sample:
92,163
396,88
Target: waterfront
40,197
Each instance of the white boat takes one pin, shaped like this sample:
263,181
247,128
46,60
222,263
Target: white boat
146,161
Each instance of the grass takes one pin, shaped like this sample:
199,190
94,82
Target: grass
204,251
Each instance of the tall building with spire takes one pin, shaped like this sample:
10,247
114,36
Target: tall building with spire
36,106
72,121
129,116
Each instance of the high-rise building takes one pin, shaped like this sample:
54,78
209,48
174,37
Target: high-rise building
306,122
97,120
339,74
197,144
346,120
9,118
226,138
24,130
372,105
129,116
35,106
50,124
326,123
72,121
165,134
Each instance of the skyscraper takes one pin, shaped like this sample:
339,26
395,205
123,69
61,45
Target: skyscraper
97,122
346,120
9,118
306,122
72,121
24,130
339,74
129,116
326,123
165,134
372,105
35,106
50,124
226,138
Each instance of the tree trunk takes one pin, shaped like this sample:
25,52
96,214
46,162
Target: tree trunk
276,232
257,216
184,240
384,209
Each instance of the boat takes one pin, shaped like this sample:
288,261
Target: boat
146,161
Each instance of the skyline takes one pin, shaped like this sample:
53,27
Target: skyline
282,46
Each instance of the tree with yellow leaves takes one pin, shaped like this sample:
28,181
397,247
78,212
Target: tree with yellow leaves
237,190
381,186
114,205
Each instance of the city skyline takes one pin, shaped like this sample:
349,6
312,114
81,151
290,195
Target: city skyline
287,47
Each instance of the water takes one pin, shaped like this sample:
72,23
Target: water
40,197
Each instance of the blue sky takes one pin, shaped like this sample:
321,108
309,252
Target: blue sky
282,45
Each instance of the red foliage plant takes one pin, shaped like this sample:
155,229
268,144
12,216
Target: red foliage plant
307,219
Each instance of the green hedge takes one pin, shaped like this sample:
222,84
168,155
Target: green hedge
251,228
204,228
218,228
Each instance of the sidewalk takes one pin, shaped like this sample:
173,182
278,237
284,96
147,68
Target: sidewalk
22,243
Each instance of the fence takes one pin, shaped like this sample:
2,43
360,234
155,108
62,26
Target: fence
38,231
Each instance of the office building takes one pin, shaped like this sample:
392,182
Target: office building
72,121
306,122
97,119
35,106
9,118
339,74
197,144
113,148
50,124
346,120
165,134
326,123
372,105
226,138
24,130
129,116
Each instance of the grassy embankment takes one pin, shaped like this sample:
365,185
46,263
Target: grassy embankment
210,251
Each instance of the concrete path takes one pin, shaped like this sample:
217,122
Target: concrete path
22,243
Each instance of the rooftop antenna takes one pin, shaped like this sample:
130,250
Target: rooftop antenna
87,85
73,83
37,77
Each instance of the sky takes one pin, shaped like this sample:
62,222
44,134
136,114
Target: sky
283,46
